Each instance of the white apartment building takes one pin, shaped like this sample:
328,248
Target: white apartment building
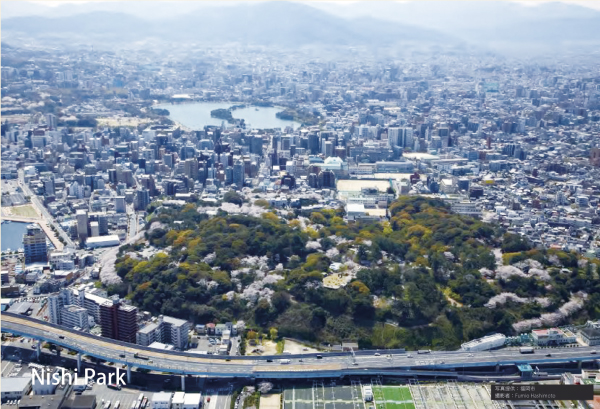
73,316
55,305
167,330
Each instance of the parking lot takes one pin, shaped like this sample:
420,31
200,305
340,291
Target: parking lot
125,396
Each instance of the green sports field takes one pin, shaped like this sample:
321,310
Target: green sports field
397,397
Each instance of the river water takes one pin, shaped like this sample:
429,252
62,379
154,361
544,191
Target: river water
196,115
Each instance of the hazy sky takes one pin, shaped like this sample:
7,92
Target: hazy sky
595,4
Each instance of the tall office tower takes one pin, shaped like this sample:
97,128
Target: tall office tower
327,179
313,143
190,168
102,224
142,199
256,144
55,306
118,321
82,224
313,180
229,175
407,137
238,174
328,151
285,143
509,149
51,121
94,229
393,136
34,244
120,206
168,160
443,132
48,186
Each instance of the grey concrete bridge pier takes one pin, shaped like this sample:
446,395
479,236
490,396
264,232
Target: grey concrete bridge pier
79,355
128,373
38,350
183,382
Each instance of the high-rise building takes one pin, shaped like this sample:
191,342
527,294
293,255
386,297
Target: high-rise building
55,305
238,174
393,136
256,145
120,206
328,149
285,143
142,199
118,321
34,244
127,325
327,179
313,143
168,160
94,229
51,121
82,224
191,168
108,319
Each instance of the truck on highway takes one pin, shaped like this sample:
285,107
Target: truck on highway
424,351
285,361
526,350
140,356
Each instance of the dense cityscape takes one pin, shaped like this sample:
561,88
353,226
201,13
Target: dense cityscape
240,226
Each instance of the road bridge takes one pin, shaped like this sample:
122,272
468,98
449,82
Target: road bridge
437,363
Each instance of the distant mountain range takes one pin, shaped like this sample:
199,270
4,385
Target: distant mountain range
274,23
547,26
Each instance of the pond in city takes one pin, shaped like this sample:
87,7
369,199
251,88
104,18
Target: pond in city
196,115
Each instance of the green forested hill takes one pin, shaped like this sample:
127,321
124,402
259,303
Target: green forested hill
426,278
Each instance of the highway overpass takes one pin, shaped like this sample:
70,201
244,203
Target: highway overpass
437,363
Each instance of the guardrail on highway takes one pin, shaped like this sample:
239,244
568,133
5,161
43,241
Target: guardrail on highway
190,354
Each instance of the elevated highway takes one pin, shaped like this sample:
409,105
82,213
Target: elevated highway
440,364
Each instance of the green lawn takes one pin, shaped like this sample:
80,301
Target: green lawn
397,397
24,211
396,393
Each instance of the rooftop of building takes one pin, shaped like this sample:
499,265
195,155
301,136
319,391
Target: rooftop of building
16,384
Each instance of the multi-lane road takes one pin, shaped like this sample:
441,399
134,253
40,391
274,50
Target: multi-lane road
309,365
47,217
